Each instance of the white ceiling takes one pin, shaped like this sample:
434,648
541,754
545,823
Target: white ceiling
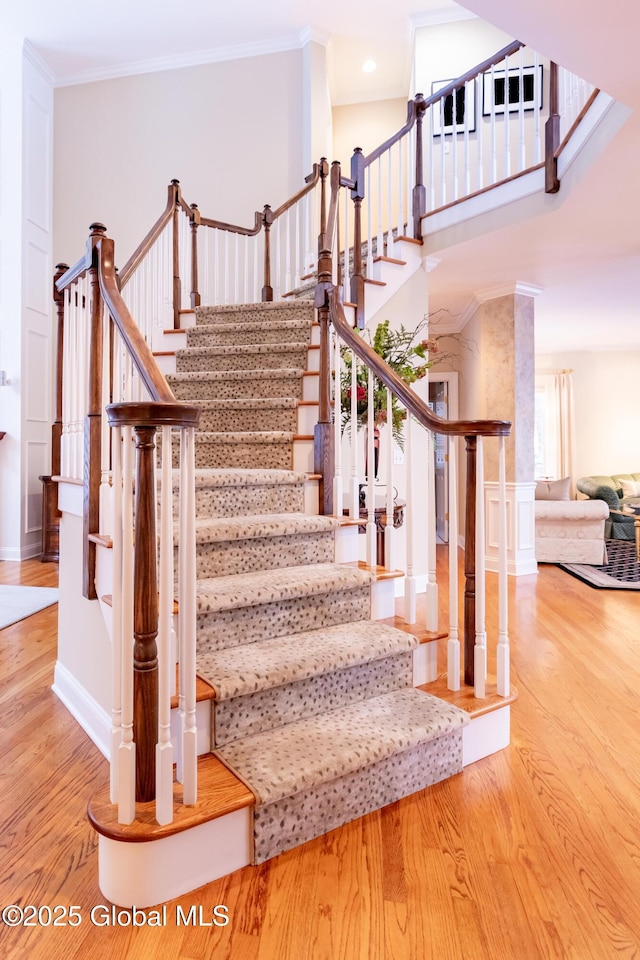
585,256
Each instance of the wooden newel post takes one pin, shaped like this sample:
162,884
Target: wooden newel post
323,453
195,223
470,563
357,195
552,134
177,286
419,190
267,220
145,617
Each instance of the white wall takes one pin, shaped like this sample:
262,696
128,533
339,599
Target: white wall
26,118
365,125
231,132
605,387
446,51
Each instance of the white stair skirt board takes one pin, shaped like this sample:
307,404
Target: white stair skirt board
94,720
486,734
425,663
521,559
203,723
147,874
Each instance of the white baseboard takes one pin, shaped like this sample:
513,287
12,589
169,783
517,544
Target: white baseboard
94,719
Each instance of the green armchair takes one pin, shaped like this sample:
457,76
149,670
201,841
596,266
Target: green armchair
610,489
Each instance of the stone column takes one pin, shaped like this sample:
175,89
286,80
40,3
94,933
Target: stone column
506,325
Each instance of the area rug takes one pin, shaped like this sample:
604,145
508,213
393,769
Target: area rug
620,572
16,603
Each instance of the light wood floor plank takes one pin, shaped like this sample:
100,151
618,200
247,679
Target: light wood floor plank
531,854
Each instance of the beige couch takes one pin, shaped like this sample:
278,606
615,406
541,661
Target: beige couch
570,531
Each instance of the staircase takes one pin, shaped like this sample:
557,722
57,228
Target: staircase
314,706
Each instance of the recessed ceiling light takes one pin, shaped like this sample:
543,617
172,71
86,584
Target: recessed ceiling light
369,66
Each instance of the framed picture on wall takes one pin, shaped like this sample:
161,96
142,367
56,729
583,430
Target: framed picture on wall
509,90
463,100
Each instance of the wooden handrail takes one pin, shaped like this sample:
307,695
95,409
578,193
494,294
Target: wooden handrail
234,228
438,95
145,363
417,407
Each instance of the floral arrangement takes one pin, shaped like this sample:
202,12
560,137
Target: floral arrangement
408,353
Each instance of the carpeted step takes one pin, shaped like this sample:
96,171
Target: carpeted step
240,545
255,356
296,329
312,775
221,384
274,603
232,493
255,312
270,413
272,449
265,684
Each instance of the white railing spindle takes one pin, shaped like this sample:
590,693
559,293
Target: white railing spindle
503,670
187,768
337,434
371,505
410,589
354,493
389,531
166,671
127,750
453,644
480,649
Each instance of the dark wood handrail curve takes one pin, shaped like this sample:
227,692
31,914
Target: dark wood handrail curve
150,373
417,407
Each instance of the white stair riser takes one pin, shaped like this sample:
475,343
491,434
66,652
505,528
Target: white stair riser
307,418
303,456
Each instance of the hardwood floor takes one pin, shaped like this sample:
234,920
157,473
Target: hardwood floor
532,853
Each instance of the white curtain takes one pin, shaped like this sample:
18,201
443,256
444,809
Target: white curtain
555,424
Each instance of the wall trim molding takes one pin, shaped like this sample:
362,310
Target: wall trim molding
94,719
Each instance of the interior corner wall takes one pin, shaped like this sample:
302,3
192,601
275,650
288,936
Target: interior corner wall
317,120
605,393
230,131
365,125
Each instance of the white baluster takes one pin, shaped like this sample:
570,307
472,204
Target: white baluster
368,208
380,233
468,88
104,523
390,221
537,135
480,649
492,118
401,187
276,281
507,125
455,192
441,144
522,152
116,613
503,670
297,271
431,191
389,531
354,493
480,136
226,268
127,749
287,252
432,585
453,644
166,664
187,617
410,605
236,266
66,386
371,504
337,436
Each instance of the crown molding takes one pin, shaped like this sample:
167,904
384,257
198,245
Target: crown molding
506,290
196,59
34,58
311,35
432,18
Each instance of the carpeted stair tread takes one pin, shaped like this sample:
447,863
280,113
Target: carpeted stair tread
261,312
214,376
249,331
265,664
257,356
301,755
217,529
244,436
217,594
250,403
246,478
